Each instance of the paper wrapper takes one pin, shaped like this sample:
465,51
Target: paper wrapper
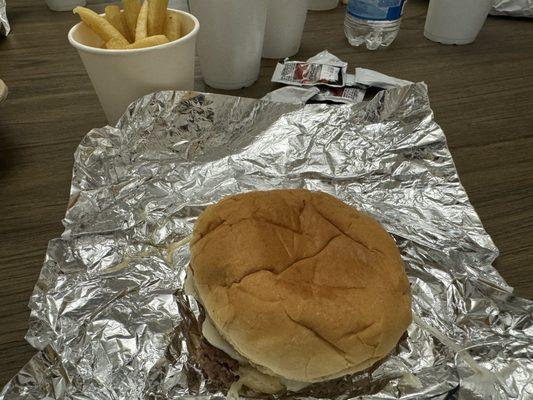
109,315
4,23
513,8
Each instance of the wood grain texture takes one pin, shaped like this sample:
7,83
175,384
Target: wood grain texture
482,95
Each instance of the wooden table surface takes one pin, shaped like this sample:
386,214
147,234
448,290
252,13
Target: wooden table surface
482,95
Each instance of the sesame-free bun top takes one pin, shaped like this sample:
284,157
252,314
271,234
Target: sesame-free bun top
302,285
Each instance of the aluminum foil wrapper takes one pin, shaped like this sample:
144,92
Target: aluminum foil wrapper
109,315
513,8
4,23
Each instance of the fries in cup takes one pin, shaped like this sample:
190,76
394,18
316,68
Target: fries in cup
131,12
98,24
116,43
141,30
137,26
173,26
116,18
148,42
157,15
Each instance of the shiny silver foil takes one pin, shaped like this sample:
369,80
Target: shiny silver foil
4,23
513,8
109,316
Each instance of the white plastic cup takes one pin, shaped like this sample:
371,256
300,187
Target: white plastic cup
284,28
230,42
455,21
121,76
323,5
64,5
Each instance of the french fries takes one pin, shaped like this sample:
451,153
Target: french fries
98,24
116,43
157,15
141,30
137,26
148,42
131,11
173,26
117,19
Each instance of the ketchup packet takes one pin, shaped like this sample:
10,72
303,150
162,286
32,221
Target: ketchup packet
347,94
302,95
322,69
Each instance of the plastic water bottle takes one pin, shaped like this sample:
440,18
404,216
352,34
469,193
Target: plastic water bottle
373,22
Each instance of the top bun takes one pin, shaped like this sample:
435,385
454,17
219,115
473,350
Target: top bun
302,285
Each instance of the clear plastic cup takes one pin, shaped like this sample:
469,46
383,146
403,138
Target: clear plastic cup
284,28
121,76
455,21
230,42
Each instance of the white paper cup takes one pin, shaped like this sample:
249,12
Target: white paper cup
455,21
230,42
284,27
121,76
322,5
64,5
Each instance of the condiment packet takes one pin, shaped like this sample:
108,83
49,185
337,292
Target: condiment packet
368,77
322,69
347,94
4,23
292,95
329,74
301,95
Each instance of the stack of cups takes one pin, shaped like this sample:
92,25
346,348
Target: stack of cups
235,34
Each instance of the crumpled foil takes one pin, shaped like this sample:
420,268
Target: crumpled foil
109,315
513,8
4,23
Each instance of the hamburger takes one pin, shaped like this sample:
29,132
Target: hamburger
297,288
